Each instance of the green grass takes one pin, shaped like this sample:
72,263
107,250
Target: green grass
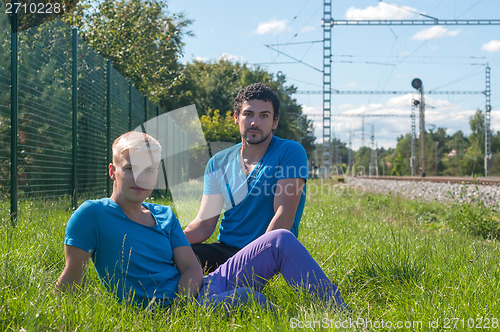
394,260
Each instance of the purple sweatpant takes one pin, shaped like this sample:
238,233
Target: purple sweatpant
249,270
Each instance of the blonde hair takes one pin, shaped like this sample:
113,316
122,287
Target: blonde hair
135,140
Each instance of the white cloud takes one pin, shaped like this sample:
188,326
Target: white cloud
351,85
307,29
403,101
272,27
495,125
439,112
231,57
434,33
492,46
200,59
344,107
367,108
309,109
381,12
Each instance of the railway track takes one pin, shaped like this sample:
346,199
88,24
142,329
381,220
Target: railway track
492,181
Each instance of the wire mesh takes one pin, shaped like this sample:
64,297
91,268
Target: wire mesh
92,140
44,116
119,104
4,112
45,125
152,110
138,116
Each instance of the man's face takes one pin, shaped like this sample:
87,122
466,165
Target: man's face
256,120
134,173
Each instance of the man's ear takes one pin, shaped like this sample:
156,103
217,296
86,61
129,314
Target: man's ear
235,116
112,170
275,123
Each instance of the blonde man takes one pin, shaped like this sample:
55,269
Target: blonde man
141,253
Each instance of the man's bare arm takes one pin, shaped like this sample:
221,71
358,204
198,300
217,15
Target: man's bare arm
286,201
202,227
76,262
190,269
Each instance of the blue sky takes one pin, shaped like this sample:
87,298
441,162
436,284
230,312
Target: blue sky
450,58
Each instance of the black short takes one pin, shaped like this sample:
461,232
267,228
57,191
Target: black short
211,255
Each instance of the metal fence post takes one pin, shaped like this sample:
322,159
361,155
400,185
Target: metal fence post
74,120
130,87
108,123
145,108
14,68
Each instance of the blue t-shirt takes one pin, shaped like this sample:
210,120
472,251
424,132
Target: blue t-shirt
129,257
249,200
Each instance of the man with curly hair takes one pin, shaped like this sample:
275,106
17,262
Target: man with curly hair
260,183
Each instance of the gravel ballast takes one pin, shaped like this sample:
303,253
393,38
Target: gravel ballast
439,191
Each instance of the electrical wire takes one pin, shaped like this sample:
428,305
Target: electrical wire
474,5
466,76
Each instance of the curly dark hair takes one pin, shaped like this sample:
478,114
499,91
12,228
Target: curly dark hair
258,91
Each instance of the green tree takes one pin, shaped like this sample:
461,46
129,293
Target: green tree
46,11
495,148
402,156
384,163
220,129
362,161
141,38
437,149
213,86
456,145
209,85
472,161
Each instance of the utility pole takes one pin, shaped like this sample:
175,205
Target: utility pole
362,130
488,156
372,153
327,81
436,143
349,153
417,84
328,23
383,166
413,158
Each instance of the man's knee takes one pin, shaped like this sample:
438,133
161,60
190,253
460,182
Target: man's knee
282,237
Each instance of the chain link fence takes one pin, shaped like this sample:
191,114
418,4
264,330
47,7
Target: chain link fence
65,123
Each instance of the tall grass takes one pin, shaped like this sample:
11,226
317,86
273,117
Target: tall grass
394,261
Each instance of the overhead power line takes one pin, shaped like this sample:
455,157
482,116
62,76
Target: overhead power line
291,57
364,115
408,9
413,22
381,92
297,43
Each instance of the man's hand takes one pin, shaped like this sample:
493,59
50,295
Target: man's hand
76,263
202,227
286,201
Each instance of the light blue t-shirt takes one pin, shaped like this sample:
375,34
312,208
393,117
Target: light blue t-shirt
249,200
129,257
